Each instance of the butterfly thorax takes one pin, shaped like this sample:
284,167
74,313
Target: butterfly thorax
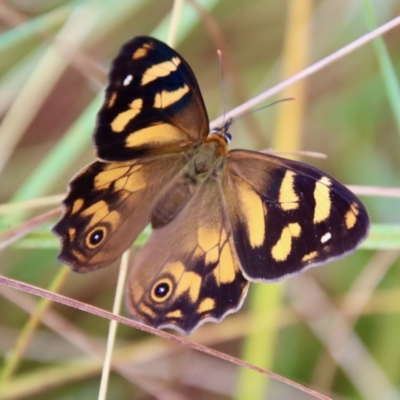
205,161
207,156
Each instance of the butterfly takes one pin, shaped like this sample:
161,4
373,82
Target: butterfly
221,218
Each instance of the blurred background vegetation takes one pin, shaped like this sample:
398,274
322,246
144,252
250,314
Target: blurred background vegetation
335,328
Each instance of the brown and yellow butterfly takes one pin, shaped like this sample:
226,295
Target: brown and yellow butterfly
220,218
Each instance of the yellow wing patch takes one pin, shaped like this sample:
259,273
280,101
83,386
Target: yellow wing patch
309,256
134,182
283,246
212,256
72,233
226,270
160,70
129,178
176,269
323,202
78,204
161,134
351,216
175,314
208,237
142,51
207,304
122,119
98,211
190,282
213,242
166,98
104,179
252,214
287,195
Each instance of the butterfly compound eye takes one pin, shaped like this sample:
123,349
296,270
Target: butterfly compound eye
95,237
228,137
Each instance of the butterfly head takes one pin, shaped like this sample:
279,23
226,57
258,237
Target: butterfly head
222,132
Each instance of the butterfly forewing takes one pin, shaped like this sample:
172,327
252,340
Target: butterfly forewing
287,215
153,114
188,271
153,103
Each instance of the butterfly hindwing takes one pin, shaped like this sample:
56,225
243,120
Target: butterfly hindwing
152,104
255,218
188,272
288,216
108,205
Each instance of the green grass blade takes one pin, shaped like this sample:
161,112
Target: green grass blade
388,71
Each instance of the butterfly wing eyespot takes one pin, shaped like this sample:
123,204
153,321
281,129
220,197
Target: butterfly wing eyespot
96,236
162,290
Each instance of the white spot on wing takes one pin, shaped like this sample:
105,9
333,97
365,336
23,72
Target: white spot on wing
327,236
127,80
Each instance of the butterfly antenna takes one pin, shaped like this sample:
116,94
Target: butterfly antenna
222,84
261,108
